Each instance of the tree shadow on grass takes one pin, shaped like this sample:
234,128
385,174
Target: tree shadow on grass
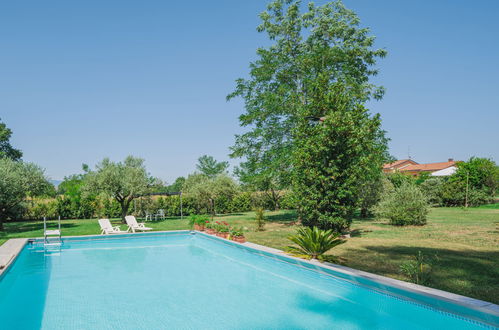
287,217
228,215
466,272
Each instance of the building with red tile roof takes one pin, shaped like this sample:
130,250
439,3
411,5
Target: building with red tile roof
408,166
398,165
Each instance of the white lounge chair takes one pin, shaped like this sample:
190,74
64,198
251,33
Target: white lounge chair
133,225
108,229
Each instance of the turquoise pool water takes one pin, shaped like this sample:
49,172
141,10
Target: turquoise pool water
185,281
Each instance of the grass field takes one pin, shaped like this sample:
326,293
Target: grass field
466,243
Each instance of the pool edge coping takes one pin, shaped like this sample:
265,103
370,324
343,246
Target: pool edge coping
9,251
14,246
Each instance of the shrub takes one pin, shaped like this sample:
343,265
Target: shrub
398,179
406,205
313,242
288,200
41,208
199,220
236,232
454,194
418,270
334,223
242,202
432,189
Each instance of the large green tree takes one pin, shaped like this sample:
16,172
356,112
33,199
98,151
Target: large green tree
18,180
6,149
210,167
334,162
318,66
123,181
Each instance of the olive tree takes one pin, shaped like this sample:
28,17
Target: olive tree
206,190
123,181
18,180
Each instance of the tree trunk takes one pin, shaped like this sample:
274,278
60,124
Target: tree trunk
124,210
212,204
275,199
364,212
2,216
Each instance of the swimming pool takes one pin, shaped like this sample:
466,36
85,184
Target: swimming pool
194,281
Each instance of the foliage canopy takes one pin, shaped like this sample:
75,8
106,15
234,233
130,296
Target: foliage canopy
318,66
6,149
310,53
19,180
122,181
210,167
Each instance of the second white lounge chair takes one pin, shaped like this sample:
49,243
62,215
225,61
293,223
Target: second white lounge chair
133,225
108,229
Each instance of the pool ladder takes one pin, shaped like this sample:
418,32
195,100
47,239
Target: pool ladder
52,237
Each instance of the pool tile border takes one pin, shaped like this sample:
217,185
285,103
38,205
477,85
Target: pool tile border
421,295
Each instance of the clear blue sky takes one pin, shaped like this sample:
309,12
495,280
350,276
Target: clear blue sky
81,80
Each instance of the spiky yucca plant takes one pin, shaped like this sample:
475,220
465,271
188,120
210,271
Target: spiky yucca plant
313,242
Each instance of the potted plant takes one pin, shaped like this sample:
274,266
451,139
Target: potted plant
237,235
209,227
223,229
198,222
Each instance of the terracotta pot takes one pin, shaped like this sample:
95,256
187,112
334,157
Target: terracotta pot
210,231
198,227
239,239
223,235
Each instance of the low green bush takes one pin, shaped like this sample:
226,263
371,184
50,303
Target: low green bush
313,242
418,269
432,188
405,205
454,194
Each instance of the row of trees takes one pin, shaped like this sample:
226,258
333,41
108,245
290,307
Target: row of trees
112,188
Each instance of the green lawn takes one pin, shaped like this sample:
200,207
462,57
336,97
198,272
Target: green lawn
465,241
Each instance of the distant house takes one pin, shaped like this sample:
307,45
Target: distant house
398,165
445,172
410,167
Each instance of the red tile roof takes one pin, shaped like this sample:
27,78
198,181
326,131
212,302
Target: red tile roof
429,167
396,163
